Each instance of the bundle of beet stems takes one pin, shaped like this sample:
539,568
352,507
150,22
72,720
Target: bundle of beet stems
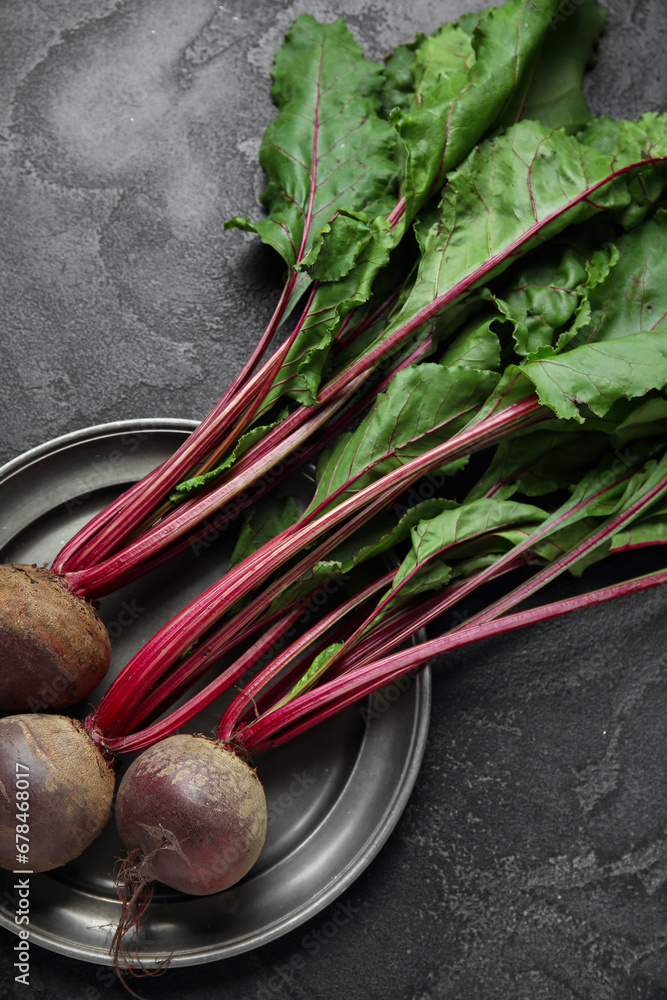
534,323
330,153
327,370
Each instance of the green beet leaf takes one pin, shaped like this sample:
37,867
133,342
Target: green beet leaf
547,300
445,57
555,95
451,111
195,484
267,518
424,405
541,462
301,372
476,346
633,294
511,194
592,377
328,149
440,537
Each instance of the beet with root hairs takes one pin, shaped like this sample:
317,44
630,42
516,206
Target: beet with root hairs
65,781
54,649
196,811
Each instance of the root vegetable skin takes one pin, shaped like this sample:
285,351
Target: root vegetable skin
54,648
196,811
70,789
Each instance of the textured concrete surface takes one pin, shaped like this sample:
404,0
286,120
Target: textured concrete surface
531,863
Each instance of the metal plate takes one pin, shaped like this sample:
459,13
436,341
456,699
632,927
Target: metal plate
334,794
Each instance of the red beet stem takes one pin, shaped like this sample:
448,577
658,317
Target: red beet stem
203,612
332,696
524,590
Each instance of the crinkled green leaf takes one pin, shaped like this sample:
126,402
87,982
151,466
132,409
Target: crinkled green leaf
555,96
633,294
301,371
328,149
551,293
266,519
448,54
358,343
407,67
424,405
436,539
456,110
399,77
579,294
594,376
413,68
476,347
347,237
554,179
645,186
193,485
541,462
597,270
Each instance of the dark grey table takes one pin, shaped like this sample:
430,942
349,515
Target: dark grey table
531,861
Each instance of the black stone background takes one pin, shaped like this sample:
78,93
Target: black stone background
531,861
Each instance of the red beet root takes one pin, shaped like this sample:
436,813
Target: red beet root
196,811
55,783
53,647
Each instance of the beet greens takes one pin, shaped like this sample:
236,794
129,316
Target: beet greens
475,287
333,163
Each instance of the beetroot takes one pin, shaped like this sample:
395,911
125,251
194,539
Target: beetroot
51,764
196,811
53,647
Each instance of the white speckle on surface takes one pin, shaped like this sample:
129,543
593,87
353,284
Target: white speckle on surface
250,147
